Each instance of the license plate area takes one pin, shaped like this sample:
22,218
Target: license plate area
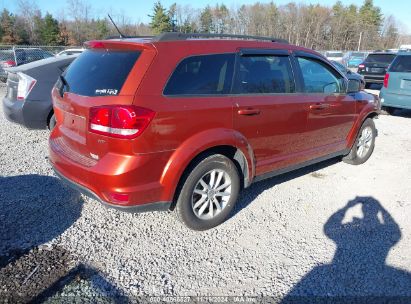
406,84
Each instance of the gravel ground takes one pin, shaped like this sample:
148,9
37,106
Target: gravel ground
328,230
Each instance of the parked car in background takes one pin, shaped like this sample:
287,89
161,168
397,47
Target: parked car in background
70,52
352,59
396,91
28,99
334,55
349,74
184,121
18,56
375,66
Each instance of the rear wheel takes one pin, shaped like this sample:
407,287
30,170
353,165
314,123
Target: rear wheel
364,144
209,193
52,122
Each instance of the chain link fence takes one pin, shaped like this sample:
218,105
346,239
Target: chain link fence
15,55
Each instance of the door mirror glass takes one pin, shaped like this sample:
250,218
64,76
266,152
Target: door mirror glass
354,86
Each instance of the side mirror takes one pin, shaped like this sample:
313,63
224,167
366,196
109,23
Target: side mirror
354,86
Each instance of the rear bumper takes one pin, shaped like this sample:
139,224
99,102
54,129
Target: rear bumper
134,176
373,78
31,114
157,206
395,100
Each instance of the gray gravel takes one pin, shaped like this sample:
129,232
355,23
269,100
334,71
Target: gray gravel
289,236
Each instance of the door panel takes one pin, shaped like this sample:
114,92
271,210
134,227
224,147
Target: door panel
277,134
331,111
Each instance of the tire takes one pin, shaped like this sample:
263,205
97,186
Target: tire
367,85
362,149
389,110
52,122
195,206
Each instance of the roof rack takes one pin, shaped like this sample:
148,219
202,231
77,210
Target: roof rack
173,36
119,37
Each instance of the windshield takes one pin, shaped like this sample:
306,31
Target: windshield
380,58
100,72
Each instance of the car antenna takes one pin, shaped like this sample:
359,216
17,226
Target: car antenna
121,35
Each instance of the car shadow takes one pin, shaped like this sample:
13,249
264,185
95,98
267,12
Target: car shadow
358,272
249,194
402,113
34,209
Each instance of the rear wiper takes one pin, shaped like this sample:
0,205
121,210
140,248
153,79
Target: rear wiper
65,84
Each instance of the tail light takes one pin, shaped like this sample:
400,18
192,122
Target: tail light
386,79
119,121
8,63
26,84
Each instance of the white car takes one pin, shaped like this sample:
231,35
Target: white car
335,56
70,52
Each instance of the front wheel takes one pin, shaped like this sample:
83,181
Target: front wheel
209,193
364,144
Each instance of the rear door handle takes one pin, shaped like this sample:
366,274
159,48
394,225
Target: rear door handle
319,106
248,112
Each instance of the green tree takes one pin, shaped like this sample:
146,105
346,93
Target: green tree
50,31
7,21
160,20
206,20
102,29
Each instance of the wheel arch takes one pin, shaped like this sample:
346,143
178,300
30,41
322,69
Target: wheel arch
226,142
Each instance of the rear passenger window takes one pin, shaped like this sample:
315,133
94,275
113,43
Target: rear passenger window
264,74
318,78
202,75
401,64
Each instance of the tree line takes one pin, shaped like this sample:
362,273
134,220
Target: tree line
316,26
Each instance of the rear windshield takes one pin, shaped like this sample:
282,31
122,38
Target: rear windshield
356,54
334,54
6,55
401,64
380,58
100,72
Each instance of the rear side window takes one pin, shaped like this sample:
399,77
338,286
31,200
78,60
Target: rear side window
202,75
380,58
263,75
319,78
100,72
401,64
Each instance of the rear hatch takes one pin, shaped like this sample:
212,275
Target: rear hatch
106,74
378,63
399,79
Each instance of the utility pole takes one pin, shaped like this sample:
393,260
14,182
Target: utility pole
359,42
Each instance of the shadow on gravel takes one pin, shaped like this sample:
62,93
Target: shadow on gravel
82,284
33,210
248,195
358,272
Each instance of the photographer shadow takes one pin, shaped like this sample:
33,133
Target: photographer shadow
358,272
34,209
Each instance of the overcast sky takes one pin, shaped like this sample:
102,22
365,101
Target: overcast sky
138,10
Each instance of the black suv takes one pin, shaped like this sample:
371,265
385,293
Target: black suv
375,66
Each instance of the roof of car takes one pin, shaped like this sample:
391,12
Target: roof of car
226,41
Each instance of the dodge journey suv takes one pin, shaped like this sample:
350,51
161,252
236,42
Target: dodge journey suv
183,122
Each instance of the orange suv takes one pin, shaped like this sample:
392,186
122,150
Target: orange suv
183,122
